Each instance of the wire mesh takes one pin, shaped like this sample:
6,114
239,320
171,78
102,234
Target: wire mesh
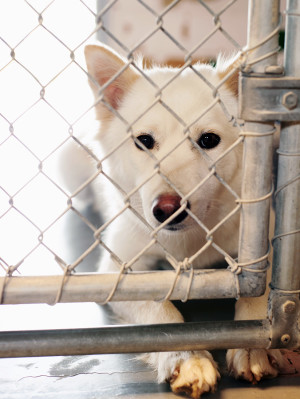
30,220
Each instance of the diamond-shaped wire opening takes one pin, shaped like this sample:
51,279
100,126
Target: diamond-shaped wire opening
63,248
33,201
39,262
54,20
19,169
20,24
19,236
41,138
68,93
44,62
21,88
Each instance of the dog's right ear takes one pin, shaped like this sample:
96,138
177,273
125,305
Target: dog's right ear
104,64
230,68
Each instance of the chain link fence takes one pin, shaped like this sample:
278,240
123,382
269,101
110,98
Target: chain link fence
45,112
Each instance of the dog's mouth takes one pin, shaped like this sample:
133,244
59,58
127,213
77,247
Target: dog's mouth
177,223
176,227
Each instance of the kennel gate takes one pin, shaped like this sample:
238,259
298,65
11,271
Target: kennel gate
272,94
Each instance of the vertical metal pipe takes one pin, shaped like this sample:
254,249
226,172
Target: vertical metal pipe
284,298
286,265
263,18
100,34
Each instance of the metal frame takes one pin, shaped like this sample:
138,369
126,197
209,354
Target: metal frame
248,272
285,286
133,286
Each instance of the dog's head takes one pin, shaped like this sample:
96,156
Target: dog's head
162,131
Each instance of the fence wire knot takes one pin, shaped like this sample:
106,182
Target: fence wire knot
236,269
9,271
123,269
67,272
180,267
233,266
185,266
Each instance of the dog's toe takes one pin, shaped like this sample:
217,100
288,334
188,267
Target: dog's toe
254,364
195,375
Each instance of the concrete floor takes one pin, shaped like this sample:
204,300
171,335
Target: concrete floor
114,376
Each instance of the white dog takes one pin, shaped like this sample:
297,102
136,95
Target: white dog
157,146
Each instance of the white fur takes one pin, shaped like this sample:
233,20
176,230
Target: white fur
136,101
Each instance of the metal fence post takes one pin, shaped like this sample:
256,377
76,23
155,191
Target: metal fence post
262,47
286,262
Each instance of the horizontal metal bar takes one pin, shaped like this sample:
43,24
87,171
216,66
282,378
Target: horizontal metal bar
136,339
135,286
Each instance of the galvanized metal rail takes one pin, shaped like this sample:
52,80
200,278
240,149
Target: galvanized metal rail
136,339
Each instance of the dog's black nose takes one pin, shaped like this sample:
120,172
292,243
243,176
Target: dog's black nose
165,206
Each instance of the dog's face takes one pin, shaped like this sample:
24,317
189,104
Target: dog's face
164,145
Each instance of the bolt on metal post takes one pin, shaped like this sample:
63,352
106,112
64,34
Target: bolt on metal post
290,100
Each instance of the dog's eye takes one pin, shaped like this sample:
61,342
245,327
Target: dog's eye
208,140
147,140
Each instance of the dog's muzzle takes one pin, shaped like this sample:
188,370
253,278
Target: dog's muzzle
165,206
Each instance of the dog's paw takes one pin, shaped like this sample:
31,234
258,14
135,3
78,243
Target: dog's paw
194,376
190,372
254,364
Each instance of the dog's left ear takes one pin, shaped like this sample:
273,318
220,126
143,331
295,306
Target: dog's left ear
231,69
103,65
